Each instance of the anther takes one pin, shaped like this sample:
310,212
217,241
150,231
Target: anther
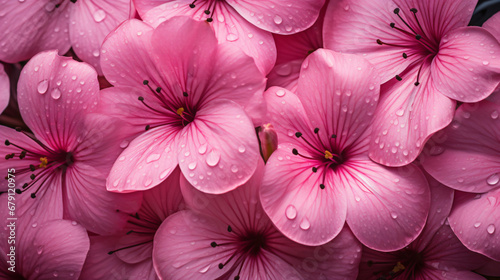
316,130
392,24
22,155
185,94
145,82
229,229
148,127
140,98
7,142
191,6
32,168
73,1
379,42
405,56
315,169
221,266
416,83
33,195
213,244
207,12
32,176
18,129
295,152
237,277
18,191
413,10
321,186
334,136
158,89
418,37
298,134
398,78
396,11
210,19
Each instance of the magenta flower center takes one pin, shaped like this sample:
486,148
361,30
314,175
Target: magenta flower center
148,227
49,162
413,41
175,108
208,6
408,265
243,246
326,154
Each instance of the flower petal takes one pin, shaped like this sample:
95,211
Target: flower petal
277,16
54,94
28,28
91,23
4,89
285,75
347,92
146,162
466,155
387,207
219,149
475,221
463,71
292,198
406,117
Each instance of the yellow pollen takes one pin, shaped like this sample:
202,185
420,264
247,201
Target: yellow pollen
398,267
328,155
180,111
43,162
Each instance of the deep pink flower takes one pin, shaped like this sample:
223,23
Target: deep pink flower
30,26
4,89
189,103
427,58
321,177
492,25
229,236
62,164
291,52
43,250
129,254
468,159
245,24
268,139
435,254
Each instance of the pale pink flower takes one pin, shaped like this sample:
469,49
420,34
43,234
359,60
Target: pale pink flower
427,58
467,158
30,26
321,177
229,236
190,100
129,254
435,254
43,250
246,25
62,164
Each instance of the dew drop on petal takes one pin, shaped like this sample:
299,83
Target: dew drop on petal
394,215
280,92
491,229
192,165
291,212
241,149
95,53
492,200
234,168
305,224
493,179
99,15
213,158
204,269
43,86
56,94
39,250
231,37
494,115
278,19
477,224
35,224
152,157
202,149
400,112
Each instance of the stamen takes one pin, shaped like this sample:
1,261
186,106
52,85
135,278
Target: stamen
180,111
128,247
396,11
192,5
399,78
185,94
328,155
43,162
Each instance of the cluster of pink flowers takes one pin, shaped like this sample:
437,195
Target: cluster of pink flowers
231,139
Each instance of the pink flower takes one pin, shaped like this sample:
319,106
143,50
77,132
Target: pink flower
492,26
4,89
43,250
129,254
466,158
229,236
321,177
427,58
435,254
244,24
292,50
268,139
185,93
60,25
61,167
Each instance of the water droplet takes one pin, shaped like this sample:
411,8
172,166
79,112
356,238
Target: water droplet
491,229
205,269
400,112
39,250
485,62
234,168
202,149
436,150
74,223
278,19
476,225
280,92
492,200
35,224
56,94
346,8
394,215
494,115
124,144
55,274
291,212
99,15
231,37
493,179
43,86
152,157
148,182
50,6
213,158
394,150
357,198
95,53
241,149
305,224
192,165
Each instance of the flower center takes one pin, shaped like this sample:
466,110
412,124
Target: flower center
149,228
409,264
49,161
414,42
243,246
176,108
208,8
326,155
